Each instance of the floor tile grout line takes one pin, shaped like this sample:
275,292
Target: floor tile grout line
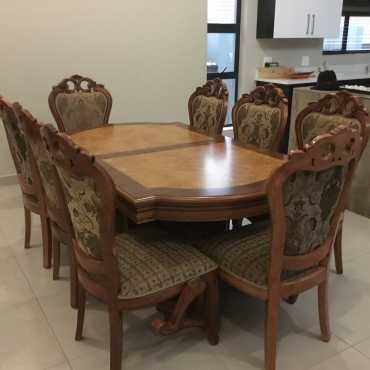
45,316
354,347
333,355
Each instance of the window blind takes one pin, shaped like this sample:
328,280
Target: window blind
336,43
358,33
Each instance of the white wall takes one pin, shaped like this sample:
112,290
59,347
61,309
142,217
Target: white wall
287,52
149,54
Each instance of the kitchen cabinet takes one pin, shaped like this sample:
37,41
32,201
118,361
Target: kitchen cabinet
299,18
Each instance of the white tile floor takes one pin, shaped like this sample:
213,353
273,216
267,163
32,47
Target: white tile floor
37,324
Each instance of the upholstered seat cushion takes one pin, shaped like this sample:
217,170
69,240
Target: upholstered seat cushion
151,261
243,253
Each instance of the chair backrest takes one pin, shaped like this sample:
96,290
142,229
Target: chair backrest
18,147
260,118
79,103
331,111
90,197
47,172
307,196
208,107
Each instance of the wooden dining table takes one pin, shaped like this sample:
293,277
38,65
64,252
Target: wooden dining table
173,172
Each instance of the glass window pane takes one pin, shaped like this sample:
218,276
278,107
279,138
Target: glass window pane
222,11
335,44
359,33
231,87
221,52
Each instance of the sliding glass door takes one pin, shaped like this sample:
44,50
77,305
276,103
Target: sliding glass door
224,18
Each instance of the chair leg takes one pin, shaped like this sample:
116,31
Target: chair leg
80,313
73,279
116,339
212,308
56,257
324,311
338,251
271,327
27,234
46,241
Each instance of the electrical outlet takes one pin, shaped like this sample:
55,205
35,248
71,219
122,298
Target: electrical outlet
267,60
305,61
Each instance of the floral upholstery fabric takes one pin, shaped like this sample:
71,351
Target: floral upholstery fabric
315,124
18,147
81,110
310,199
150,261
258,125
47,174
207,113
84,205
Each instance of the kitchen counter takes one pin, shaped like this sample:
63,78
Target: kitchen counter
289,86
360,193
312,80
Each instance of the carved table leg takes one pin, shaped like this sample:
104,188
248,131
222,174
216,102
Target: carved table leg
177,320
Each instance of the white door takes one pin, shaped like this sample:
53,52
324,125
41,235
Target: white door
292,19
326,16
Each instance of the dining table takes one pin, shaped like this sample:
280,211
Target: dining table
172,172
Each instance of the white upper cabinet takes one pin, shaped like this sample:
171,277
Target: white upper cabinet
292,19
299,18
326,18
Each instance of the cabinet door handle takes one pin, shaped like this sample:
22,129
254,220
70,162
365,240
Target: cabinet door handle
313,24
308,23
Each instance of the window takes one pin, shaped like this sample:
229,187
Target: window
354,36
223,45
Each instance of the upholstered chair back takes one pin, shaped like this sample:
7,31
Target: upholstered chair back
18,146
307,196
260,118
208,107
333,110
79,103
88,192
46,170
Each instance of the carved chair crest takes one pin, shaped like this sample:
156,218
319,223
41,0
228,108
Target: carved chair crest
268,94
319,117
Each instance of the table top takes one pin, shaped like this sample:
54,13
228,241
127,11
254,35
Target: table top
172,172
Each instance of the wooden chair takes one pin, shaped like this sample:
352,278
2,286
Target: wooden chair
131,270
28,179
79,103
306,197
260,118
58,216
321,117
208,107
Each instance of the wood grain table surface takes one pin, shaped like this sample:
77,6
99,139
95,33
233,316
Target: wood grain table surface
172,172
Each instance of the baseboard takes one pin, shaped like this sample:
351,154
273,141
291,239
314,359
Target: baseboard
8,180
